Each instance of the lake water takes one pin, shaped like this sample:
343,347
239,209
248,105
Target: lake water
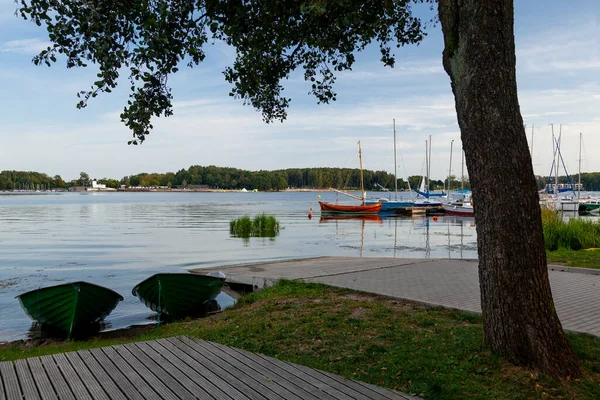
118,239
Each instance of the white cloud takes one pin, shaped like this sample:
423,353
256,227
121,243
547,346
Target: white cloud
403,68
24,46
562,48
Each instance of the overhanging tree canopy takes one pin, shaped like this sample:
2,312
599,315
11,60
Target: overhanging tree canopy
150,39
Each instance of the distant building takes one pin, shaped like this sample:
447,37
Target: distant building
96,185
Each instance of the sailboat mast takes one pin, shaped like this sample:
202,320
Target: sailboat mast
362,185
554,151
395,165
579,179
450,167
462,172
427,166
558,155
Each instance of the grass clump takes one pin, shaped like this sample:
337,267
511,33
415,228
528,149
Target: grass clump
575,234
431,352
261,226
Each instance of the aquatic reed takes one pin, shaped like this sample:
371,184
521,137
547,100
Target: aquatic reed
574,234
261,226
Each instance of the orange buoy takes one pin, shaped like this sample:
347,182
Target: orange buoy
309,215
435,217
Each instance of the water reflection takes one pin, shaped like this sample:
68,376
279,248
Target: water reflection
325,218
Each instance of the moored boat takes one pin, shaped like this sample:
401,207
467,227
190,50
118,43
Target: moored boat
428,200
459,208
348,209
428,206
589,207
70,307
363,208
389,205
178,295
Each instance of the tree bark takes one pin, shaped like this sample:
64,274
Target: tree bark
519,318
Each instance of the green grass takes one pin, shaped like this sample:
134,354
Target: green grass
589,258
435,353
574,234
261,226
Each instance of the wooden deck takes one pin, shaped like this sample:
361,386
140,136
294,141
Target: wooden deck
175,368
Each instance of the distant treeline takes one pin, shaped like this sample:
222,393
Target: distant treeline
232,178
298,178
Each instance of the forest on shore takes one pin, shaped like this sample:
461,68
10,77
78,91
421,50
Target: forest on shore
213,177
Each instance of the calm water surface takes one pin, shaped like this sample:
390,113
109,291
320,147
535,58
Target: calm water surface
118,239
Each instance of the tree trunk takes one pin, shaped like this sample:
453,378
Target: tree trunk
519,318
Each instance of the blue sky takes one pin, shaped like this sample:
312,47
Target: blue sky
558,73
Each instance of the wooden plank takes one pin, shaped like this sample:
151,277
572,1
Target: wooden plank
194,383
161,370
342,387
350,387
252,369
301,387
147,390
40,377
214,384
364,388
2,395
77,386
104,380
11,382
300,374
151,378
243,383
61,387
123,383
89,380
245,355
389,393
95,369
26,380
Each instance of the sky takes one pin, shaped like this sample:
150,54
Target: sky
558,78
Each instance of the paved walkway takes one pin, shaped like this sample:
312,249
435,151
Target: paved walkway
175,368
441,282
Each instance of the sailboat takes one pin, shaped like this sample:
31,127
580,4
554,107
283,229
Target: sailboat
426,202
565,203
462,206
394,205
589,205
347,209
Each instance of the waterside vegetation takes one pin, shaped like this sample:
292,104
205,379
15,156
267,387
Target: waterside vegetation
261,225
430,352
574,234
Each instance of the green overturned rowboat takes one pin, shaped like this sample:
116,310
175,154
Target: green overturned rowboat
178,295
70,307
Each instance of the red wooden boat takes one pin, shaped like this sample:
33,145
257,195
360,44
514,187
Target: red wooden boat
345,209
